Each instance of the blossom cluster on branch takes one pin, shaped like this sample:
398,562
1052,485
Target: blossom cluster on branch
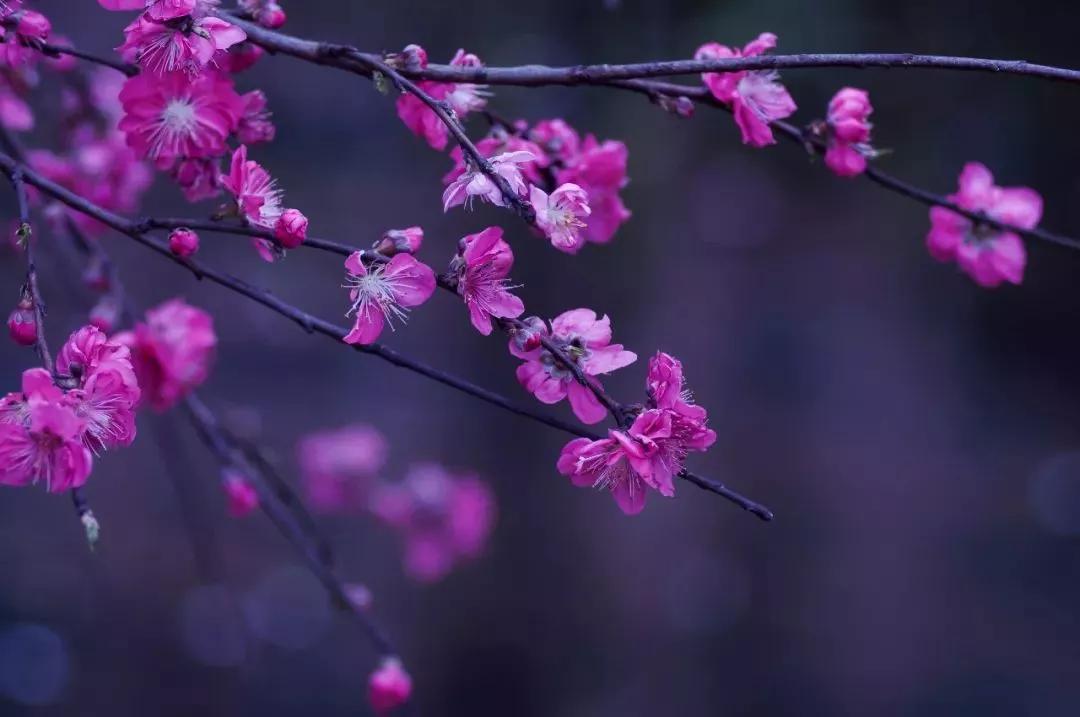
175,103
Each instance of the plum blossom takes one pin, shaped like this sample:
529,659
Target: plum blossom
558,139
463,98
586,340
198,179
849,127
399,241
338,467
443,518
756,97
172,116
482,266
164,47
560,215
475,183
183,242
648,454
259,200
291,228
22,324
987,254
106,388
384,292
171,352
41,436
160,10
389,686
255,125
267,13
501,142
240,494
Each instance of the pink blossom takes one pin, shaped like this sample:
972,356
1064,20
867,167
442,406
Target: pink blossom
599,168
483,266
501,142
291,228
667,392
398,241
171,116
240,57
586,340
755,96
463,98
389,686
105,314
164,47
561,215
106,390
444,519
475,183
255,125
62,63
338,467
258,198
988,255
171,352
15,113
557,137
22,324
41,437
384,292
605,464
183,242
267,13
849,132
240,493
198,179
31,24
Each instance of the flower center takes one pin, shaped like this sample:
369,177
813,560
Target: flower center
178,116
376,289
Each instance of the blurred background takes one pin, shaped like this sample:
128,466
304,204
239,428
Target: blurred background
915,435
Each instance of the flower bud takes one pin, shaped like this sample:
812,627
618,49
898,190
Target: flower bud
389,686
271,15
400,241
29,23
681,105
240,493
22,324
527,337
291,228
183,242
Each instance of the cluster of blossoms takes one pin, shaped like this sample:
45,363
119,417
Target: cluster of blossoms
650,452
51,430
21,30
182,110
443,519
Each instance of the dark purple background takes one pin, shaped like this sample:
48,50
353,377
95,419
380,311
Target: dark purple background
914,434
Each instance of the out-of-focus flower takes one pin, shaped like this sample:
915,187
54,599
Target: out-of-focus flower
240,494
339,466
389,686
988,255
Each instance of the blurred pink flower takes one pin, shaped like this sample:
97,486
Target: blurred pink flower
444,519
171,351
389,686
755,96
339,466
986,254
586,340
240,494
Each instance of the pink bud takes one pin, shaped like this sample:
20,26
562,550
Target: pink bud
271,15
359,596
291,228
241,494
681,105
29,23
389,686
400,241
183,242
22,324
415,57
241,57
105,315
531,332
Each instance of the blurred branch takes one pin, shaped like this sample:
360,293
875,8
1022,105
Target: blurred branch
313,324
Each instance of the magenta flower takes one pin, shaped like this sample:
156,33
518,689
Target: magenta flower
502,143
338,467
389,686
384,292
584,339
183,242
558,139
483,266
164,47
444,519
107,389
988,255
599,168
198,179
291,228
41,437
560,215
849,132
258,199
474,183
171,116
605,464
464,98
171,352
255,125
755,96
